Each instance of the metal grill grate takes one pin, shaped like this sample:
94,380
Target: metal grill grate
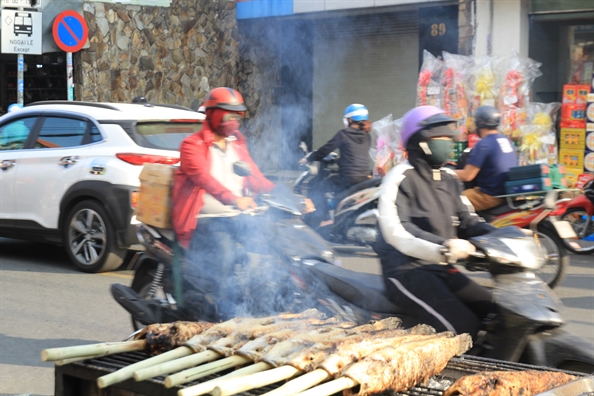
456,368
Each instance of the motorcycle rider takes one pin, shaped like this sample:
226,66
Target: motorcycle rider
488,162
421,212
205,191
354,166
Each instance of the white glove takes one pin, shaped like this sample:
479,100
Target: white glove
458,249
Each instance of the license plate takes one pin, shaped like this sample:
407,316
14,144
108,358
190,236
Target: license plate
565,230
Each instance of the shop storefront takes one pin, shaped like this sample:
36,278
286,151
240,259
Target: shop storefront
562,38
335,55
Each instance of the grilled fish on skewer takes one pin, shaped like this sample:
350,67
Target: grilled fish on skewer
311,357
509,383
350,353
255,349
163,337
342,353
400,368
198,343
227,345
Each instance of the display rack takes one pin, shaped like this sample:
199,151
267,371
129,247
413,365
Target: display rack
42,82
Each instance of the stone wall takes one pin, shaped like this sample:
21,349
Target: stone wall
170,55
465,29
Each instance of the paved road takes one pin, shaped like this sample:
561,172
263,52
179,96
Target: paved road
45,303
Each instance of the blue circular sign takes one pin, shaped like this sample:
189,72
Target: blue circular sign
70,31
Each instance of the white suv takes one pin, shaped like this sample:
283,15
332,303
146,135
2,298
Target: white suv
69,172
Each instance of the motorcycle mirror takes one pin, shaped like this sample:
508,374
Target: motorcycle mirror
551,200
242,168
303,146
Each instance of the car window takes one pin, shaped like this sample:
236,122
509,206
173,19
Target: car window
14,134
95,134
165,135
57,132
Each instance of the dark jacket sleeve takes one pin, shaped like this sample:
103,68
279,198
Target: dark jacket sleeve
472,224
326,149
395,220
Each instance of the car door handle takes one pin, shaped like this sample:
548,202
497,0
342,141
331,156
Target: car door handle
7,164
68,161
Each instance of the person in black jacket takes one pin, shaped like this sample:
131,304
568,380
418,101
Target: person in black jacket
421,212
354,162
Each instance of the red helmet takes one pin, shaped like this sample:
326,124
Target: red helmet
224,98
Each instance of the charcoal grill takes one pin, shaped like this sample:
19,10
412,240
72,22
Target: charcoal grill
79,378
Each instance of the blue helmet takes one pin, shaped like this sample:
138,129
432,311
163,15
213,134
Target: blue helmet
356,112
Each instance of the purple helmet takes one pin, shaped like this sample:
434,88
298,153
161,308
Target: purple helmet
420,118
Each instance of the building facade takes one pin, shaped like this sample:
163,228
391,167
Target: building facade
298,63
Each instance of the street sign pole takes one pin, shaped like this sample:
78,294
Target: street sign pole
21,77
70,32
70,76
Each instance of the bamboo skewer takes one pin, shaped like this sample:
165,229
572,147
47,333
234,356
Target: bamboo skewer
301,383
176,365
242,384
62,362
102,349
128,371
330,388
208,386
205,370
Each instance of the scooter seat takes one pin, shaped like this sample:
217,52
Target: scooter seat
374,182
366,291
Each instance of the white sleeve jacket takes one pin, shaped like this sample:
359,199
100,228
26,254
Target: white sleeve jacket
418,214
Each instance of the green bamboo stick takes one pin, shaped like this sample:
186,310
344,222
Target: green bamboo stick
205,370
176,365
102,349
208,386
330,388
301,383
242,384
128,371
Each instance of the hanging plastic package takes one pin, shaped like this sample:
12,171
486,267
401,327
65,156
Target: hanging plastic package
429,92
455,100
517,75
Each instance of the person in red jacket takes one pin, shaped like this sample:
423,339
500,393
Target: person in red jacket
207,193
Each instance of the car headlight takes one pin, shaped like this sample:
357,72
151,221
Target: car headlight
527,251
328,256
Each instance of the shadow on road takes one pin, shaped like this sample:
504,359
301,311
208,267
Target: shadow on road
27,351
40,257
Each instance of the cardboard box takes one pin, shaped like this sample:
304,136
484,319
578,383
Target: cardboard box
572,175
575,94
572,158
572,138
154,198
573,113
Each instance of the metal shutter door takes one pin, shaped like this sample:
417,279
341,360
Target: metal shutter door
370,59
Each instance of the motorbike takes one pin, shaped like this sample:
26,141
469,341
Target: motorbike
528,327
155,295
579,213
353,211
529,211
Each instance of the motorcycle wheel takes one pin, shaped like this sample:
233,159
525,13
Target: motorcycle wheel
575,216
553,272
141,284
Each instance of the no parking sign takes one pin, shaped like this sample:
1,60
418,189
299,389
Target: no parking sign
70,31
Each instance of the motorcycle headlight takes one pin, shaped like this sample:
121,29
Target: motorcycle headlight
528,253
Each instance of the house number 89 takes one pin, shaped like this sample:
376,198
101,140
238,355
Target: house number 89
438,29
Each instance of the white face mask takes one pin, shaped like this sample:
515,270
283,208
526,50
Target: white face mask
345,122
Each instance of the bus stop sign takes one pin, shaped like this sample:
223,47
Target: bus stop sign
70,31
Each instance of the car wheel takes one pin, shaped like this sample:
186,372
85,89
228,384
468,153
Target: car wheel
90,239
